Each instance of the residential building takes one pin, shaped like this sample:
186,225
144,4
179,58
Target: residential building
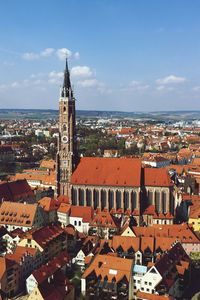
23,216
80,217
16,191
9,277
108,277
50,240
104,225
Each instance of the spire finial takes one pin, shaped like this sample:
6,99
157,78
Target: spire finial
66,83
66,64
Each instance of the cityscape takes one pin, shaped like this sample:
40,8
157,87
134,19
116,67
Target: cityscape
99,180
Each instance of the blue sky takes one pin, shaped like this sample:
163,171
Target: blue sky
130,55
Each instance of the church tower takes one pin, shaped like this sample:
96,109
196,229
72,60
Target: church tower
67,150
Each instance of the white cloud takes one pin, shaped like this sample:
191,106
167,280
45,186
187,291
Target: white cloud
30,56
165,88
89,83
171,79
54,74
76,55
55,77
81,71
15,84
47,52
3,86
63,53
138,85
196,88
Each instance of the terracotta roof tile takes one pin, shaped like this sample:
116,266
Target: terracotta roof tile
19,215
48,204
156,177
107,171
85,212
104,219
110,267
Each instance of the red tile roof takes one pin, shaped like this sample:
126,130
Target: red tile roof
147,296
182,232
47,270
103,219
85,212
110,267
22,215
150,210
48,204
10,191
107,171
44,235
156,177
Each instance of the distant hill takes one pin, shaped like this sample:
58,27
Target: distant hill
37,114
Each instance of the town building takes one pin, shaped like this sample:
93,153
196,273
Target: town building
16,191
100,182
49,240
108,276
24,216
9,277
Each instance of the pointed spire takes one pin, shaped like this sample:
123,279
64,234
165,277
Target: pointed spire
66,89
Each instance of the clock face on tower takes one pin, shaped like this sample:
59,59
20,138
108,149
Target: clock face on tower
65,139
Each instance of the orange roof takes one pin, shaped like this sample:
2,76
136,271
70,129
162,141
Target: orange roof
126,242
48,204
48,164
182,232
63,198
107,171
103,219
85,212
19,252
48,179
22,215
150,210
147,296
64,208
156,177
110,266
147,242
196,161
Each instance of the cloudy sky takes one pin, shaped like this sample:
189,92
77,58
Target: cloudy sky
129,55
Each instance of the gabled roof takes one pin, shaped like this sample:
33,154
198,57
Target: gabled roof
45,271
85,212
126,243
44,235
104,219
64,208
110,267
180,232
150,210
156,177
174,256
48,204
22,215
20,252
107,172
9,191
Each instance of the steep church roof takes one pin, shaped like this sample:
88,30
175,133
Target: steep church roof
108,172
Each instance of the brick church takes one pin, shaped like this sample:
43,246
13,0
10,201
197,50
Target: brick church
117,184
